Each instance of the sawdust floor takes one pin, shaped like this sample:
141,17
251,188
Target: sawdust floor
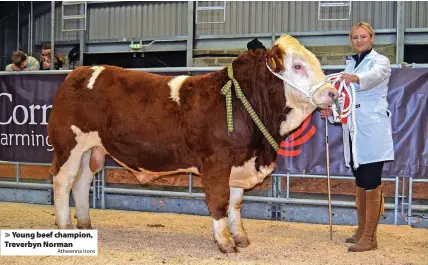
154,238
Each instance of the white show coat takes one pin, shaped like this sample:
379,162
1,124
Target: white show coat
374,134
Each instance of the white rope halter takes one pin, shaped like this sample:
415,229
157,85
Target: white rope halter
309,94
338,108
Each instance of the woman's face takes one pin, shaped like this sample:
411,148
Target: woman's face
361,40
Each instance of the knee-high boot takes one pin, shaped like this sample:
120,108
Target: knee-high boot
360,200
374,209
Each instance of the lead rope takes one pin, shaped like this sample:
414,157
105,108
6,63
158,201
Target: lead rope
341,111
227,91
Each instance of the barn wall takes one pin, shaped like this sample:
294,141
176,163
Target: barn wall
120,20
291,16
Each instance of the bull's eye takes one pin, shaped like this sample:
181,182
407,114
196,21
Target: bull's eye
297,66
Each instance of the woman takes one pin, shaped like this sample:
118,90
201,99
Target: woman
369,72
22,62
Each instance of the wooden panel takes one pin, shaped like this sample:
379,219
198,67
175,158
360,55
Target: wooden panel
27,172
35,172
347,187
7,171
120,176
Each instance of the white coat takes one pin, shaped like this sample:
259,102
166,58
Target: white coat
373,119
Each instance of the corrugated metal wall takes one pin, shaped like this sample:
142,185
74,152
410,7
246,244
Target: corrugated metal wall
303,16
42,28
416,14
241,18
291,16
121,20
145,19
169,19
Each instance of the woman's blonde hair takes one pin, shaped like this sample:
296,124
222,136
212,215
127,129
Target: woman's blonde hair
365,26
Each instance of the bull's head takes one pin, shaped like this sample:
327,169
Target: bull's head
305,84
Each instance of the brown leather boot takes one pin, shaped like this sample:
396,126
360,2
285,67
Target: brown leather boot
360,202
374,209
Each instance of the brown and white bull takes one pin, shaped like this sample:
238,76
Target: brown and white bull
158,125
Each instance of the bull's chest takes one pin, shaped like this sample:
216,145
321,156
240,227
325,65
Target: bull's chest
247,176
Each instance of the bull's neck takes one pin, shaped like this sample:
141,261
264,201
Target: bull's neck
269,107
300,109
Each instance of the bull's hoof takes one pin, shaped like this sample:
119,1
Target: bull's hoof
242,242
228,249
67,226
84,226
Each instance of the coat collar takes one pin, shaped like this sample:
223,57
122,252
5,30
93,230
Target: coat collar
365,60
358,59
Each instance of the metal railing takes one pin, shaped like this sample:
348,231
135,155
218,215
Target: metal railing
99,191
188,69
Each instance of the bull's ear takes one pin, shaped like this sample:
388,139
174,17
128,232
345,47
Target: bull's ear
274,60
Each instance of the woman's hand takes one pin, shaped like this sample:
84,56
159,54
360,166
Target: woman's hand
46,65
15,68
350,78
326,112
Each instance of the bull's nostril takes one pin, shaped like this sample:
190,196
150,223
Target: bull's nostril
332,95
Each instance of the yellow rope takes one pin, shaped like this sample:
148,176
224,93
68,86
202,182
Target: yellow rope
227,91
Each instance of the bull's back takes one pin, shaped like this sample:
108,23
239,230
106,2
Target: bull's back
132,112
90,94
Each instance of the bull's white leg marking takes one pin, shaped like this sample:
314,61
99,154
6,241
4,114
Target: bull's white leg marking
222,235
234,217
63,181
175,85
80,190
62,186
95,74
247,176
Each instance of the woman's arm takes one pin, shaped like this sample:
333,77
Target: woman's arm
9,68
377,74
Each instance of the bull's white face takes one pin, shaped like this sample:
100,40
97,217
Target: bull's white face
303,69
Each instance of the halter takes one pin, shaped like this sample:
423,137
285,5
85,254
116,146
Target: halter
309,94
343,106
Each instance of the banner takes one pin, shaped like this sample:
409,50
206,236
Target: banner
26,100
25,104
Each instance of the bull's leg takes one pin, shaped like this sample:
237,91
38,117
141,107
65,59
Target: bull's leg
62,184
235,222
92,162
64,180
80,190
216,185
